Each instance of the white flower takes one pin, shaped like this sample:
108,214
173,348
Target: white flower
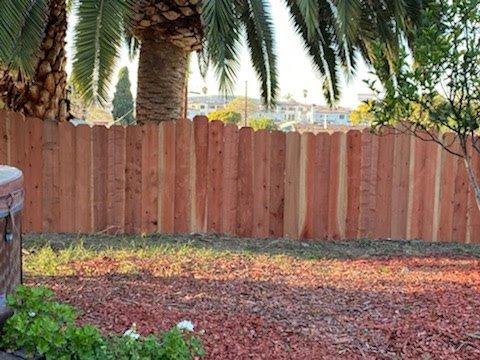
185,325
32,313
132,332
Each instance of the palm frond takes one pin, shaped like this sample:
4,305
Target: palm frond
322,51
255,16
97,43
309,10
22,27
347,14
222,36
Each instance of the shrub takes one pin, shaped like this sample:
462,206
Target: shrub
43,327
262,123
228,117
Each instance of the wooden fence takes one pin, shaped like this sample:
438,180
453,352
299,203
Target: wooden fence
203,176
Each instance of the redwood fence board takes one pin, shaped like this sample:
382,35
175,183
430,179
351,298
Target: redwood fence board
245,182
205,176
230,176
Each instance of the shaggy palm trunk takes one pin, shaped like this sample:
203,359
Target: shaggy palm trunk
168,30
161,81
44,95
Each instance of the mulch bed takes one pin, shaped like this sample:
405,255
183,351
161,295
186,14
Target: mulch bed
249,307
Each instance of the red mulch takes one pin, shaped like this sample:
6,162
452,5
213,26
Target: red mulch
410,308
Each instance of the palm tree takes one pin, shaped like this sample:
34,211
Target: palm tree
335,33
32,57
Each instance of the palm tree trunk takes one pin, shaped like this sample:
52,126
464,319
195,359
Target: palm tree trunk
44,95
161,80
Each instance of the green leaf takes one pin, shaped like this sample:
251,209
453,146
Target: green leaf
97,43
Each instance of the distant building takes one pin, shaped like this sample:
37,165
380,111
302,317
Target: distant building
202,105
285,111
307,114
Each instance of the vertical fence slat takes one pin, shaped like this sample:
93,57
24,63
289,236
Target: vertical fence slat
292,179
447,193
354,165
116,179
261,183
230,176
4,136
421,222
133,180
199,173
245,182
337,186
67,175
400,188
473,211
17,140
368,185
149,196
277,183
307,186
183,136
384,187
83,183
51,200
33,219
166,177
214,176
431,153
100,166
321,186
459,230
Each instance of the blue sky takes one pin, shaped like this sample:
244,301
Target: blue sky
295,70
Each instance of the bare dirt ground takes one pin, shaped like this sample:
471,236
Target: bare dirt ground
273,299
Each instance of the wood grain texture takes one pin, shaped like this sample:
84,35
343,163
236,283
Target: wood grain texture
83,180
133,180
321,186
447,191
33,219
214,176
117,159
199,174
4,136
261,183
51,176
354,167
277,183
400,188
383,206
292,183
149,196
67,146
166,180
230,178
307,186
337,187
245,182
368,185
100,167
183,136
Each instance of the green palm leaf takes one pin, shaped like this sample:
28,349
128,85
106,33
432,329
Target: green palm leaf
22,26
260,39
222,36
97,43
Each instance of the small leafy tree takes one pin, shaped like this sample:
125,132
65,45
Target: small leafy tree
262,123
362,114
439,90
228,117
123,103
